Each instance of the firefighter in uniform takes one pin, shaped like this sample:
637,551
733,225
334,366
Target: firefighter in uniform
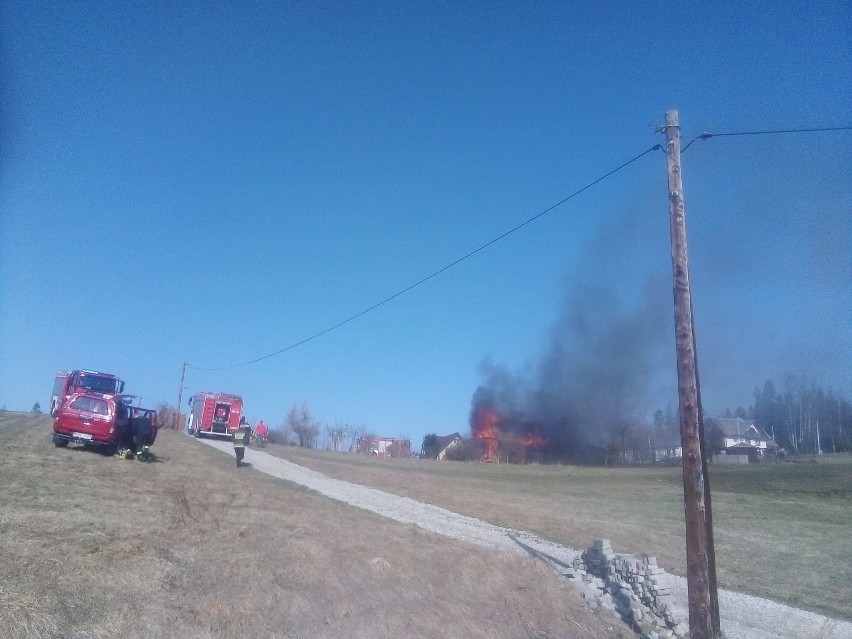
241,440
142,433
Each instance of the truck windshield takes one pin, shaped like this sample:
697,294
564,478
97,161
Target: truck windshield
99,384
91,405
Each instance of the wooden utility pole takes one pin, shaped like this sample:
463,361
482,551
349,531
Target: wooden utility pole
708,507
701,617
179,426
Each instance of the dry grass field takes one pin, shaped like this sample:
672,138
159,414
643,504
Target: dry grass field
782,529
189,546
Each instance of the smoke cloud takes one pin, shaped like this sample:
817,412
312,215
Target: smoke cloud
598,371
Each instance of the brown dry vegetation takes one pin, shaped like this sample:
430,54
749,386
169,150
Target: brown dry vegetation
782,529
189,546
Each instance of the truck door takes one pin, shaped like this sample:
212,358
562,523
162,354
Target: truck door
222,413
60,390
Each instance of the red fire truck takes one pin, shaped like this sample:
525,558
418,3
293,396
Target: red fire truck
216,415
83,381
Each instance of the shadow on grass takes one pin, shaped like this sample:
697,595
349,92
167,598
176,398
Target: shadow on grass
88,448
537,554
152,458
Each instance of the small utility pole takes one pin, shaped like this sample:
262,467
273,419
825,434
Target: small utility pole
819,448
701,617
180,395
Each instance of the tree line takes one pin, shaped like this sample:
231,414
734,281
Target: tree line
802,417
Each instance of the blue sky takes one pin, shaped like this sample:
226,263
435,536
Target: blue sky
214,182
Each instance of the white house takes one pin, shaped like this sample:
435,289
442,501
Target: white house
736,436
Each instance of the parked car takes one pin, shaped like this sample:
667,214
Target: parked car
98,420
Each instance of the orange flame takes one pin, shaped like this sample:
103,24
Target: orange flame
486,427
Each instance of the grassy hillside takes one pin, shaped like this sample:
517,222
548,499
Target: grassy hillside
782,529
190,546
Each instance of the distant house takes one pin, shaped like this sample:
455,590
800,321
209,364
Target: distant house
667,447
447,443
383,447
736,436
724,436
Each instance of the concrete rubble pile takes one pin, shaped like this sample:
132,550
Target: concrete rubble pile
635,588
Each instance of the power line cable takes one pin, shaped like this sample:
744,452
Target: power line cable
656,147
707,136
169,383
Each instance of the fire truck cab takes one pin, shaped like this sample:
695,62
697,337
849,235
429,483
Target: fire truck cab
214,415
68,383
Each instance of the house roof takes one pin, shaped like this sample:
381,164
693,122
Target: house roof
734,426
738,427
446,440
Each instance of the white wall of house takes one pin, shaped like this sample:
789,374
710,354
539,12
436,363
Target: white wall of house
673,452
733,441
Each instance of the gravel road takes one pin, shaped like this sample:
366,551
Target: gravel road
743,616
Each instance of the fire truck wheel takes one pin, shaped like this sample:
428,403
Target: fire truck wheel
59,442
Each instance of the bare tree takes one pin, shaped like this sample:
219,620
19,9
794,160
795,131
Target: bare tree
168,417
335,435
354,432
303,425
641,443
619,435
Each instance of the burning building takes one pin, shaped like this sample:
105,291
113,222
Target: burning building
502,438
599,371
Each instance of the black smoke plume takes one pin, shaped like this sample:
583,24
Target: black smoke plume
601,369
